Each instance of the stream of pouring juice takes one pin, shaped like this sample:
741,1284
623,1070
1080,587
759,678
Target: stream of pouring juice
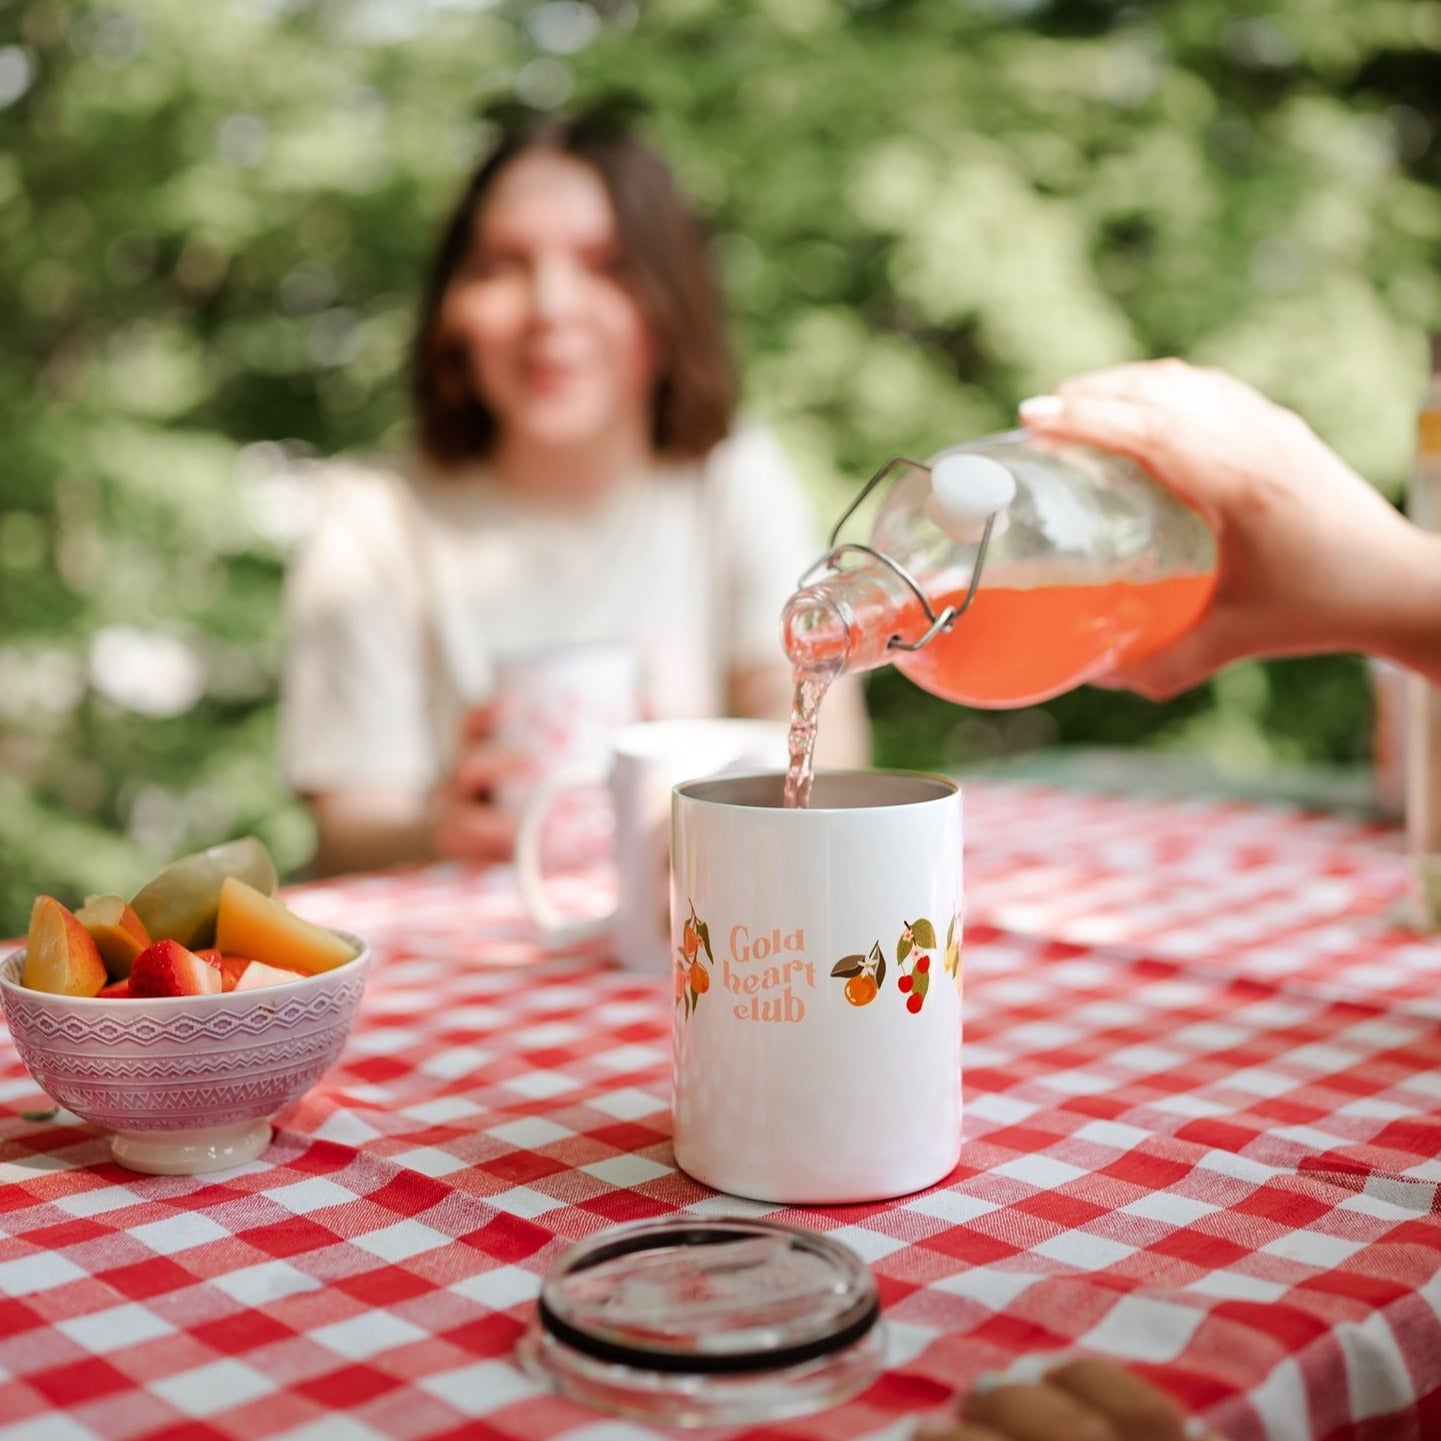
1012,647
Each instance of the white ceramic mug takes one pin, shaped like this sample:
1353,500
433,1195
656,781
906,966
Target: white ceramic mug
817,1048
645,761
560,707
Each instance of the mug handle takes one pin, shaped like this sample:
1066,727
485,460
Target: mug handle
558,929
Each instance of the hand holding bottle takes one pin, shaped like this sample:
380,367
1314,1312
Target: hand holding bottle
1004,571
1309,556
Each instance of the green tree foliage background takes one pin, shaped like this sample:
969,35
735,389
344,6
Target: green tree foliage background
213,220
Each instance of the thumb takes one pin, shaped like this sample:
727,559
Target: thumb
1218,639
1160,677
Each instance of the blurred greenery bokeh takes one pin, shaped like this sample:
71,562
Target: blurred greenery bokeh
212,224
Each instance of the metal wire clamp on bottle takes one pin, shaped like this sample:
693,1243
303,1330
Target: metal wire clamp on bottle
953,487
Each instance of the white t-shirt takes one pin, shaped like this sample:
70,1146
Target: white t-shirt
411,586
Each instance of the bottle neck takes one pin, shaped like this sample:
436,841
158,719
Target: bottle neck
843,623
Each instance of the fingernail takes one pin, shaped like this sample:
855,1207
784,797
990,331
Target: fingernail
1040,407
987,1381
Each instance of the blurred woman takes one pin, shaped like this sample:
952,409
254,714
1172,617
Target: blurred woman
578,474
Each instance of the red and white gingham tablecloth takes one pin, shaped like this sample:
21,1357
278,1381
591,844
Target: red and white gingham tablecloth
1202,1134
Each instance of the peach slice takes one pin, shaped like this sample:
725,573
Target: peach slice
60,956
119,934
168,969
262,927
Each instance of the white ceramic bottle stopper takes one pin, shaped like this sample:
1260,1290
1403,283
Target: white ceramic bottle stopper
966,490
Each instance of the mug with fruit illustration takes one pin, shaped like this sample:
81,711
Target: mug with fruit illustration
817,963
646,760
561,706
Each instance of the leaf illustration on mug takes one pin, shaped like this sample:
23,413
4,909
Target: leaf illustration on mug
864,975
917,940
878,961
692,980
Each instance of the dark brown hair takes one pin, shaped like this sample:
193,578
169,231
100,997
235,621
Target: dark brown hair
667,269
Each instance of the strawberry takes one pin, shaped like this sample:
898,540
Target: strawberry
166,968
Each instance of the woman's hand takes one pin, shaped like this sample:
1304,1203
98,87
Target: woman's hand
1309,556
1090,1400
466,823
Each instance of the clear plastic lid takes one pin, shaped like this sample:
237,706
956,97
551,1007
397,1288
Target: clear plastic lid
691,1321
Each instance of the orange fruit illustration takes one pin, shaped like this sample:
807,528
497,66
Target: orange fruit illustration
699,979
861,989
689,940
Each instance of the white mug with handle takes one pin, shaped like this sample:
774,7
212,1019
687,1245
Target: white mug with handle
647,760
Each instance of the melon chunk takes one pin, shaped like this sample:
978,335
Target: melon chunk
263,928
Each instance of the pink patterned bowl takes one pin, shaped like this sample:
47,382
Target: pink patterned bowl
186,1083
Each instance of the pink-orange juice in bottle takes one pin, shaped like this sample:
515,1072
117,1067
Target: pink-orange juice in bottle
1088,565
990,656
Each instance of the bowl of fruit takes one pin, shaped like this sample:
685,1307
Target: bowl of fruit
185,1018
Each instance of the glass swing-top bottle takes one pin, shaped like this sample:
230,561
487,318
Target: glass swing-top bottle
1003,572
